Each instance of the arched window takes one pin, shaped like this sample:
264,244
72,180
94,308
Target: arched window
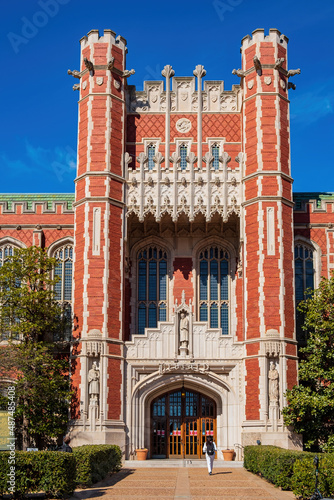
215,154
183,155
304,270
63,289
152,287
214,287
7,250
150,154
304,279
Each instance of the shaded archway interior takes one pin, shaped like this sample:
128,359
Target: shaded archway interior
181,420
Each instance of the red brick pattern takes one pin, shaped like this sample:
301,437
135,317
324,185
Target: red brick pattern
222,125
292,372
252,389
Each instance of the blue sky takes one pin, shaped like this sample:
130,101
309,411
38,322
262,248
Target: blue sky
39,108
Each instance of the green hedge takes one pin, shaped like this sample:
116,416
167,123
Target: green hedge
94,462
303,479
57,473
273,463
48,471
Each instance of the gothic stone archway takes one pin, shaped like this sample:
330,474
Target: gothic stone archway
181,420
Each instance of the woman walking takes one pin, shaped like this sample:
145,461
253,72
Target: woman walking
210,449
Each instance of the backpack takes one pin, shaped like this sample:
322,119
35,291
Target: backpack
210,449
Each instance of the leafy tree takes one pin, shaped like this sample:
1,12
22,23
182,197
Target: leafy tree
28,306
31,319
310,407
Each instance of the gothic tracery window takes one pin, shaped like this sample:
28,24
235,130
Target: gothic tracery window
7,250
150,155
304,279
214,287
152,287
215,154
183,156
63,289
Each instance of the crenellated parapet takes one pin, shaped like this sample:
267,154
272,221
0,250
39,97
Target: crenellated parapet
36,203
313,203
184,97
190,190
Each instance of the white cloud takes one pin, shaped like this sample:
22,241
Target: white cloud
313,105
59,161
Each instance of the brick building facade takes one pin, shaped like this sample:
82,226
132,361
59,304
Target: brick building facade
189,251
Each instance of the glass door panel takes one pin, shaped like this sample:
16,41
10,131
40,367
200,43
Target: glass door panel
175,438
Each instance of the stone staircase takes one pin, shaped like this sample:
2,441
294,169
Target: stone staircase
167,463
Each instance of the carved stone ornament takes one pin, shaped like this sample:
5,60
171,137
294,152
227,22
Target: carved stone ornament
99,80
267,80
84,85
117,84
283,84
183,367
250,84
183,125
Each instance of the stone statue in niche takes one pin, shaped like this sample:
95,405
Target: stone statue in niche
94,383
273,383
184,330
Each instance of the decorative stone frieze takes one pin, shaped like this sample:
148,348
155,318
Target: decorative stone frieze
183,96
190,191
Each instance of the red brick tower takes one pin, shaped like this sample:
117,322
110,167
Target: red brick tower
268,230
98,272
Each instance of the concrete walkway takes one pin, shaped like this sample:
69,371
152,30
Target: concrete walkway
183,483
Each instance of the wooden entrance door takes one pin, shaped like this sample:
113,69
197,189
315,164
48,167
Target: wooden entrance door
181,421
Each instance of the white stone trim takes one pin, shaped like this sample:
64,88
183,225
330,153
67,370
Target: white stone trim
317,254
9,240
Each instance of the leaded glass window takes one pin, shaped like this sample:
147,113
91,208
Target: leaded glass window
63,289
7,251
183,156
214,288
152,287
215,154
150,154
304,279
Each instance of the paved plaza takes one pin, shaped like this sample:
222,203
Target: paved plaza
183,483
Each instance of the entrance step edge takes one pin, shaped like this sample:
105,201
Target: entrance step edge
166,463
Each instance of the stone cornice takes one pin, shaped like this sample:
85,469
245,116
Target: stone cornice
268,198
102,93
98,199
269,173
101,173
266,93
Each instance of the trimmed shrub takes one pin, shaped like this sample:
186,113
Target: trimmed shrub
48,471
55,473
273,463
95,462
303,479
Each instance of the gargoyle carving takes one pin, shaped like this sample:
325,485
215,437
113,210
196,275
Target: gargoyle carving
76,86
111,63
293,72
90,66
257,65
74,73
238,72
128,73
291,86
279,62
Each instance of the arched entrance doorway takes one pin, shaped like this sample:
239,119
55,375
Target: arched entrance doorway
180,421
